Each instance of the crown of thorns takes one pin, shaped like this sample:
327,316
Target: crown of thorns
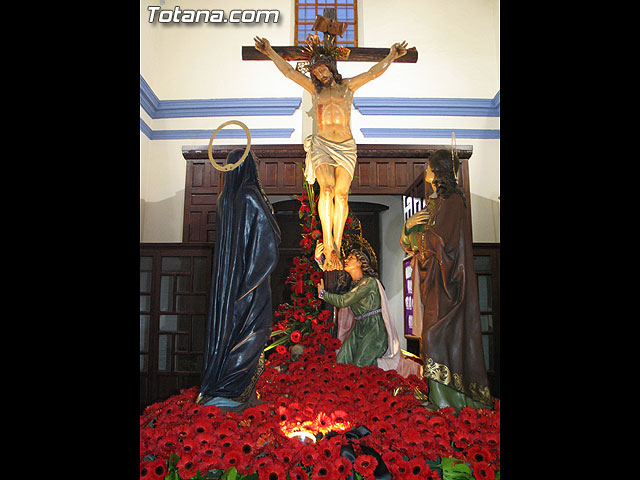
316,52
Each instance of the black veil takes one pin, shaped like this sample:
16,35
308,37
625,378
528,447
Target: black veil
239,319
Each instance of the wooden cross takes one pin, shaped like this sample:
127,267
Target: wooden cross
327,24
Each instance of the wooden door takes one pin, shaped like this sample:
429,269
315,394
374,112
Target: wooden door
174,292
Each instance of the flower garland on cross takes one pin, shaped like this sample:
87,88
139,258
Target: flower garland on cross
303,320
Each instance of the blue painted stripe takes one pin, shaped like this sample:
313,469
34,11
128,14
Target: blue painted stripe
206,134
430,133
148,100
496,101
227,107
456,107
144,128
214,107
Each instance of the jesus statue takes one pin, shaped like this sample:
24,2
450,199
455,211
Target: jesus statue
331,149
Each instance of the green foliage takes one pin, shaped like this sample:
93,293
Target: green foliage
453,469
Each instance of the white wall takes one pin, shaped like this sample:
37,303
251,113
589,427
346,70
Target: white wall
458,57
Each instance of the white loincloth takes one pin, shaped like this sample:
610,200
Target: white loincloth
321,151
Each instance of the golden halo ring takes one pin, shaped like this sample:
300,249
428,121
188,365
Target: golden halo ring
228,167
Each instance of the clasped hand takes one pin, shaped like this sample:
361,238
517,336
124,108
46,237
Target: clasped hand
399,49
320,285
262,44
417,219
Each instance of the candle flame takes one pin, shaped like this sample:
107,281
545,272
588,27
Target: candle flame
322,423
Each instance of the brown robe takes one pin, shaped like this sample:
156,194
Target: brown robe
451,332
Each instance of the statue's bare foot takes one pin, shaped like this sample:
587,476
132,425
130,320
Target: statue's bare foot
331,262
334,261
327,266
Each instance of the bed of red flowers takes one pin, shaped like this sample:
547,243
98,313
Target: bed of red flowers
180,439
323,400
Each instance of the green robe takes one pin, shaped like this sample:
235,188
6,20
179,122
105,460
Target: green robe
368,340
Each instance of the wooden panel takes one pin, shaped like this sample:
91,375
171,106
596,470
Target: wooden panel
203,199
197,175
383,174
363,174
195,226
380,170
271,174
289,174
401,173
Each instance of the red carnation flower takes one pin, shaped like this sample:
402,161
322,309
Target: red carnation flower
272,471
299,315
282,413
308,455
285,455
281,349
232,457
417,468
155,470
186,467
343,467
461,439
339,416
295,336
188,445
223,432
316,234
365,465
492,439
210,452
477,454
429,474
436,421
400,468
482,470
301,302
383,427
315,278
306,243
323,470
297,473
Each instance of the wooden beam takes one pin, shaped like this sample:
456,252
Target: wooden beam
366,150
358,54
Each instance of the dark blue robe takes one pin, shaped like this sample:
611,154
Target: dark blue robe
239,320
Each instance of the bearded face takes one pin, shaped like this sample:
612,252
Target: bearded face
322,73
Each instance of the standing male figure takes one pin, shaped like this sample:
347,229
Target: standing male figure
331,149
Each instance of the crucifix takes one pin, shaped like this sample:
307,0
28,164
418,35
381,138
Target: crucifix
331,149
